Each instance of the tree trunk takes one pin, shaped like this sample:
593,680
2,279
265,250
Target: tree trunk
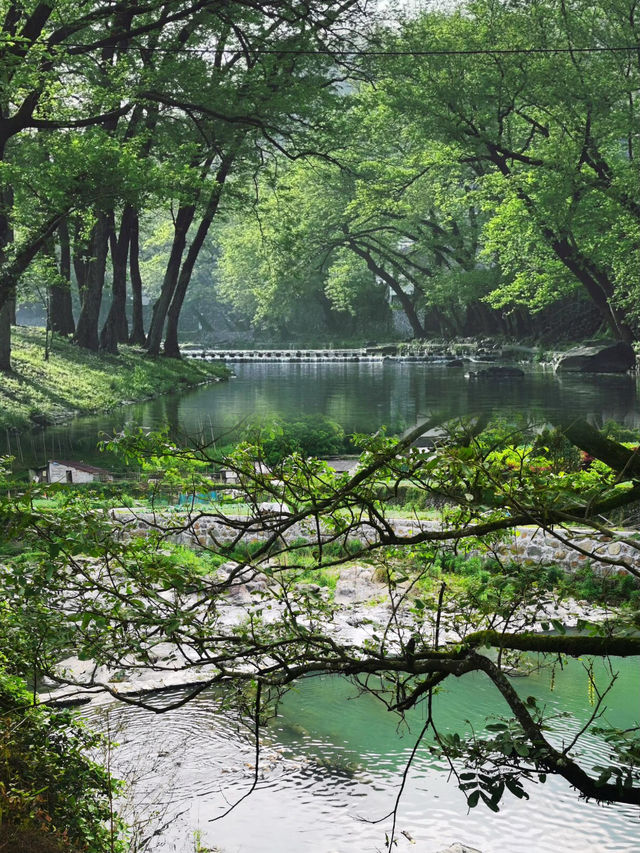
182,224
87,328
594,279
597,284
330,319
137,320
61,309
170,281
5,337
115,329
171,346
407,305
7,294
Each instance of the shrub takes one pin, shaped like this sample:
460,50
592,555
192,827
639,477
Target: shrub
309,435
53,797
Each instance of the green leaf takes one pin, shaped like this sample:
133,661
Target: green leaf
472,799
488,801
516,789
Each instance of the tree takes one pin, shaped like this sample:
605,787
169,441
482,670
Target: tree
133,594
543,106
274,71
44,47
386,214
140,69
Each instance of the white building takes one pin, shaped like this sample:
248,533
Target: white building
58,471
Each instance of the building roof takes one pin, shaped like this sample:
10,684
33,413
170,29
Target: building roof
79,466
341,464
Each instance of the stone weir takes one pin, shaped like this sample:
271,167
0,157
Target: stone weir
284,355
367,354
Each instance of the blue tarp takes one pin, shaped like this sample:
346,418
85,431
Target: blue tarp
203,498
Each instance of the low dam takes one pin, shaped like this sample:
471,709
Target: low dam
366,354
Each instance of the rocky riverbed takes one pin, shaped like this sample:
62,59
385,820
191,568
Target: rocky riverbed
364,609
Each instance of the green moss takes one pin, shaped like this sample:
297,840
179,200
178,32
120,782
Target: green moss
76,381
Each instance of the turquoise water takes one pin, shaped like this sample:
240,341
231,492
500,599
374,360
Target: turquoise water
332,762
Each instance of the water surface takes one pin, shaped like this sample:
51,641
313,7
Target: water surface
332,763
360,396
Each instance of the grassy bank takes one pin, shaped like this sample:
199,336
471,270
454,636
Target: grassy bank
75,381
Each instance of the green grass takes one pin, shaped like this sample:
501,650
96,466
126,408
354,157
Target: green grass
75,381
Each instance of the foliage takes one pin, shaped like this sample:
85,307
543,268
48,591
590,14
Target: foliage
50,790
307,435
78,584
73,382
548,135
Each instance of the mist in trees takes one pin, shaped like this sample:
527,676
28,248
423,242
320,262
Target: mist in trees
455,164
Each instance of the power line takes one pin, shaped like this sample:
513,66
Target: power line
461,52
341,52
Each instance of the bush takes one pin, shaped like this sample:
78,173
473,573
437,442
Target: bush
53,798
309,435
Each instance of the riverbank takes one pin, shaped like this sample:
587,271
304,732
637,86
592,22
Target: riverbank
77,382
363,608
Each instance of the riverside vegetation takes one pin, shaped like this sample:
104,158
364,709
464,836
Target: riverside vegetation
73,584
275,168
72,382
470,170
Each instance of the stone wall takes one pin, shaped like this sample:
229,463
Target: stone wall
533,546
526,544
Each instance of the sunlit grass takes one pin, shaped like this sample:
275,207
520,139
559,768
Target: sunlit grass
75,381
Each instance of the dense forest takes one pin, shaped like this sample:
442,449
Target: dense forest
212,171
464,171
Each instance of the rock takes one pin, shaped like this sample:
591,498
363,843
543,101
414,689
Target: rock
496,372
41,419
384,349
454,362
606,357
355,585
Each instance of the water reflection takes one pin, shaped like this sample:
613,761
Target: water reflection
361,396
332,763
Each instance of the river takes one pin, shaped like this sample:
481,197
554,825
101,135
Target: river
333,762
360,396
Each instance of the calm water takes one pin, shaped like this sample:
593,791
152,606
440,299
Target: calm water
332,763
360,396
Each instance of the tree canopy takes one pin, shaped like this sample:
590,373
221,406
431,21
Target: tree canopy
459,162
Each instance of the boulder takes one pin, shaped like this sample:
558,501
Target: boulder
497,373
606,357
384,349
